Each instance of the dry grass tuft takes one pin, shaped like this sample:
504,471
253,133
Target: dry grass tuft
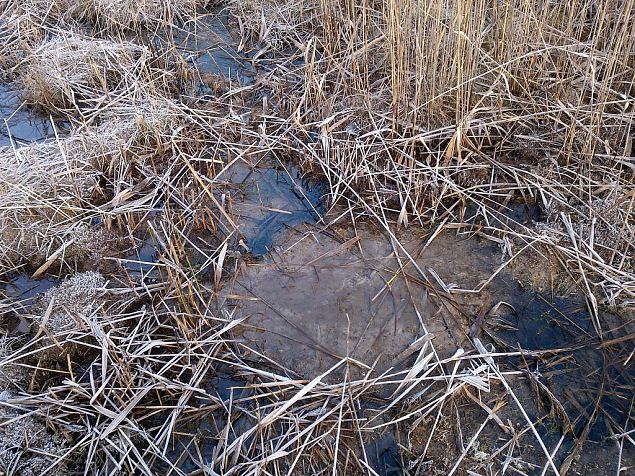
45,189
56,10
24,25
66,71
273,25
132,15
51,192
27,447
19,36
65,309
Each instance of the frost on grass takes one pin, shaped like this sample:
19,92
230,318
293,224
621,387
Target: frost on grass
131,14
44,189
143,122
602,229
58,10
77,295
65,309
19,36
275,23
48,191
23,26
12,376
67,70
26,446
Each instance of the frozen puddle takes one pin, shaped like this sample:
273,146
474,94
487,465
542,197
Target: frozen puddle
213,49
317,298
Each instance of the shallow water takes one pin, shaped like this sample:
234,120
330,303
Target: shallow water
383,456
21,287
316,297
315,300
194,445
20,121
587,372
19,293
271,197
140,262
213,50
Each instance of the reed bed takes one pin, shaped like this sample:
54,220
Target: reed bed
422,113
452,114
275,25
447,112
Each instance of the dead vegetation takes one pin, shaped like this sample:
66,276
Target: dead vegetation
45,189
19,35
274,25
64,71
131,15
26,445
52,192
436,114
440,112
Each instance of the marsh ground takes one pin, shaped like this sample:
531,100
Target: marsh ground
217,257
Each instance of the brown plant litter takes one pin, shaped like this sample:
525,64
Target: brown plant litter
64,71
313,264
